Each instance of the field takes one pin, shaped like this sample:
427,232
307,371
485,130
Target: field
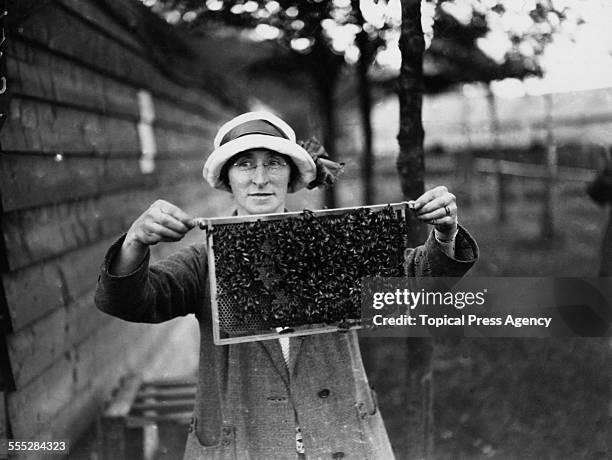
514,398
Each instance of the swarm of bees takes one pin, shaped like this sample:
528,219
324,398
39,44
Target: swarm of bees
306,269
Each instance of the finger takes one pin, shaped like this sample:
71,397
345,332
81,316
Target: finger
448,199
172,223
160,232
428,196
168,220
441,221
176,212
440,213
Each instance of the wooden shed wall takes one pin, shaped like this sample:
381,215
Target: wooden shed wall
70,184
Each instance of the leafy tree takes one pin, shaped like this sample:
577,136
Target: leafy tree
301,28
525,47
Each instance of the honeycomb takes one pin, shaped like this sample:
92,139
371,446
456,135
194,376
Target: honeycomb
304,269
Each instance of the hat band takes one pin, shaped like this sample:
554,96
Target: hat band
252,127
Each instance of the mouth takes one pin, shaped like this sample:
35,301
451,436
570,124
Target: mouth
260,194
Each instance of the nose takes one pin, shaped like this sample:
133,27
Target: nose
260,175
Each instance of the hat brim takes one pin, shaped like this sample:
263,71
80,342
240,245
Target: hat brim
307,169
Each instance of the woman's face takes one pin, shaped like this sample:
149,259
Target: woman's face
259,179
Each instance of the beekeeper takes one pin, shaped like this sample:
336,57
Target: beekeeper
305,397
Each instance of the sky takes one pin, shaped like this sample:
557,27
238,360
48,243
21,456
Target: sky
584,63
578,59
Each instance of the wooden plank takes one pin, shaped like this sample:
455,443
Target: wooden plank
40,233
183,168
39,345
48,76
35,405
62,32
38,126
7,382
66,35
169,113
31,407
175,142
37,290
164,406
34,408
3,425
34,180
168,392
122,402
48,407
33,348
51,77
93,13
183,416
75,419
86,403
115,434
34,234
116,90
36,347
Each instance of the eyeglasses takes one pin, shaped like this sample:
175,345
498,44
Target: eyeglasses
274,165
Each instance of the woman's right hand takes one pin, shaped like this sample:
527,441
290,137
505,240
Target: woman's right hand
162,222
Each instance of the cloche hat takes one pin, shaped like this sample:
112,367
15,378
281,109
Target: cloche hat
253,130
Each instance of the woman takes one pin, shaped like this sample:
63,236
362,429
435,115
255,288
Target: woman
307,397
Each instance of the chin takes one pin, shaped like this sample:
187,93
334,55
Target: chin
264,208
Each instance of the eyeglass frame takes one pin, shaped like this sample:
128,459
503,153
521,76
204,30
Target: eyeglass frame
270,169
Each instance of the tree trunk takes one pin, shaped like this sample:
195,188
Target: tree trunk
606,253
325,71
411,170
365,108
502,195
410,161
328,110
548,203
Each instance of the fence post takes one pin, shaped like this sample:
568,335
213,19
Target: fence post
502,214
548,218
464,161
605,268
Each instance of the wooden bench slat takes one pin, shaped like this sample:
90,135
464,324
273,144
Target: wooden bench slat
163,406
122,402
168,393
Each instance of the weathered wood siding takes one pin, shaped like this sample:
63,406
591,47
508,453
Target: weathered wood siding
71,182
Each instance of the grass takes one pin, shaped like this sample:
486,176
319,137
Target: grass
512,398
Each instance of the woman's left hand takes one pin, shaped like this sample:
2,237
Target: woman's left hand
437,207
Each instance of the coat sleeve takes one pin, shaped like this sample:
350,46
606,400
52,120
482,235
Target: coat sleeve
154,293
430,260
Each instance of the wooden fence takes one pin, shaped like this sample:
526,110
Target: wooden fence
95,131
